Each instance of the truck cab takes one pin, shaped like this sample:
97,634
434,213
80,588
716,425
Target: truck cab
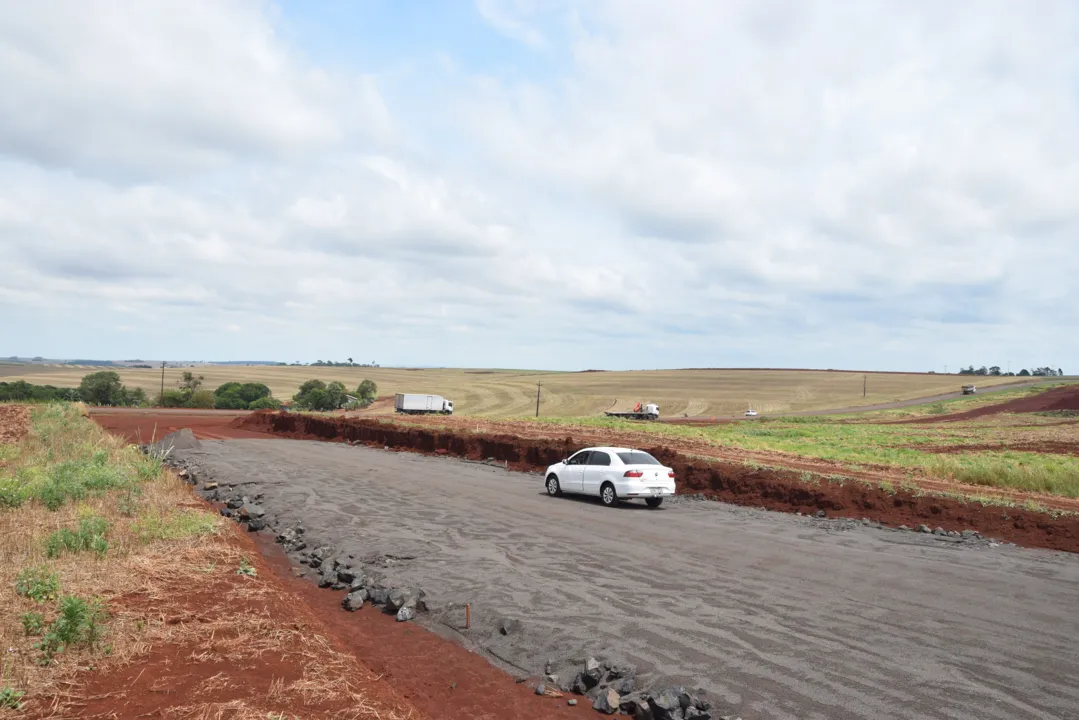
447,407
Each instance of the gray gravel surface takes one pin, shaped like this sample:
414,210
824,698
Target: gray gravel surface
771,615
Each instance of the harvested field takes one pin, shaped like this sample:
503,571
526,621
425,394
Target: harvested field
767,615
14,422
512,393
775,489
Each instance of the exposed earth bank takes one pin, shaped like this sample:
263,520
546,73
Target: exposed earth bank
766,615
730,482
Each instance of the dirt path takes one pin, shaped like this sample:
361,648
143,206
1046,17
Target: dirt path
14,422
776,616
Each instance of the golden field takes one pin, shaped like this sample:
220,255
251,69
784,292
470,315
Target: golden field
512,393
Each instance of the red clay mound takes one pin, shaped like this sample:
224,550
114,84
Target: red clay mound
1063,398
730,482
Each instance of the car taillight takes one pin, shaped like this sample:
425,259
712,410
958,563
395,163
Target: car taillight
670,474
633,473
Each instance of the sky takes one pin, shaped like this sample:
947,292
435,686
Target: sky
552,184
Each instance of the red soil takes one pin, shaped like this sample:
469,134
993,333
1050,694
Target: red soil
736,483
189,674
14,422
1063,398
145,426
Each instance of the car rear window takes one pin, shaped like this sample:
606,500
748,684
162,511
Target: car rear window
637,458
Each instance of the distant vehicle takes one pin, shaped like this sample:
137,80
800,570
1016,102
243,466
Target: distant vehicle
639,412
414,404
969,389
751,413
612,474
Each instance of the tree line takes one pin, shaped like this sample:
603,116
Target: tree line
994,371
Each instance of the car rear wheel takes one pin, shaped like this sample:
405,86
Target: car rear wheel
553,488
608,495
654,502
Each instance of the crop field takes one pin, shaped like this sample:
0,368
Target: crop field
512,393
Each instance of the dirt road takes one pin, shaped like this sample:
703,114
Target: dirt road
775,616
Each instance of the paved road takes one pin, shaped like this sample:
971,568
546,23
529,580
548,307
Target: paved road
777,616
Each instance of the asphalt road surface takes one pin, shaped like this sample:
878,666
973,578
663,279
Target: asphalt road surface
774,616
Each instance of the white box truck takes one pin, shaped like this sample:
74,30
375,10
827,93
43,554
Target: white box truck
415,404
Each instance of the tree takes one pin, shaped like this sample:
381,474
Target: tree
251,392
1024,373
265,403
982,371
201,399
317,395
102,388
967,371
349,361
1060,372
366,393
995,370
190,382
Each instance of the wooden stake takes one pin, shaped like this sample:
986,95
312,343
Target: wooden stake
468,616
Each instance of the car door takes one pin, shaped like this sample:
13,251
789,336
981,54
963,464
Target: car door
599,465
570,478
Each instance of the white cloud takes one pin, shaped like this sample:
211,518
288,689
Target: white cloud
738,183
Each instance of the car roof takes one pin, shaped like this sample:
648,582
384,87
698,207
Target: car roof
611,449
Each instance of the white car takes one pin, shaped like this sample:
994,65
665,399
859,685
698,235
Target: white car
751,413
612,474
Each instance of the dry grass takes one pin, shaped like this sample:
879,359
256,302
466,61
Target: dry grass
164,591
512,393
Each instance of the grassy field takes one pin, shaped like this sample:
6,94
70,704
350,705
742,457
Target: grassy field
509,393
991,446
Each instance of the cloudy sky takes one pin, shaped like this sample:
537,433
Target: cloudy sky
542,183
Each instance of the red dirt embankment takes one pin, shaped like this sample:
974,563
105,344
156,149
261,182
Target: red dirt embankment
1063,398
729,482
146,426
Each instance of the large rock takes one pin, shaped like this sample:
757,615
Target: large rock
658,712
509,627
607,702
255,524
327,575
406,613
354,600
402,597
346,575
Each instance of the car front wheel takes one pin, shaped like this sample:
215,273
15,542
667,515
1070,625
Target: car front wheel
654,502
608,495
553,489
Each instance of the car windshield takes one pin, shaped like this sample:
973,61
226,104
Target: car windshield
637,458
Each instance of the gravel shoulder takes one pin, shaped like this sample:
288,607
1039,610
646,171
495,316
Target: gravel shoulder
772,615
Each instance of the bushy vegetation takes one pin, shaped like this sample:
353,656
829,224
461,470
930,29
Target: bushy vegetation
105,388
320,396
24,392
37,583
244,396
68,465
79,624
88,536
994,371
100,388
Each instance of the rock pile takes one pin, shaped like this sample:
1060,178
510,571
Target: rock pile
612,689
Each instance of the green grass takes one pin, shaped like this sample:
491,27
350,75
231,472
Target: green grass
174,525
37,583
33,622
10,698
89,536
65,461
79,624
895,445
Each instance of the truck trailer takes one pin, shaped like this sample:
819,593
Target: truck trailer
640,412
415,404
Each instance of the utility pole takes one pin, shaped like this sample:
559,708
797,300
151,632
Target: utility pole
161,397
945,369
864,383
537,398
